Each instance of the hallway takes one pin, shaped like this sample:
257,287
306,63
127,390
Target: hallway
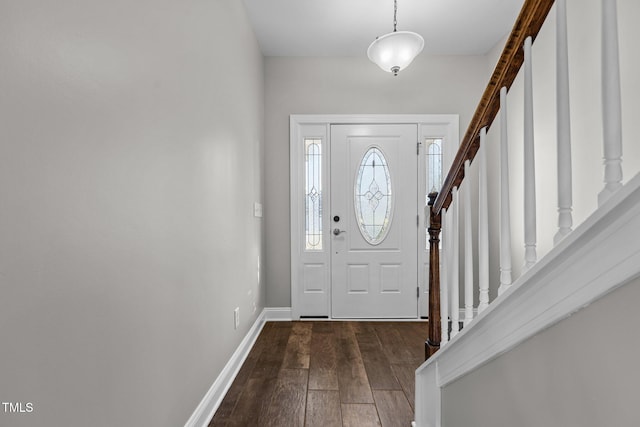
327,374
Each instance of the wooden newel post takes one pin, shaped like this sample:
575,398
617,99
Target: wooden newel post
435,221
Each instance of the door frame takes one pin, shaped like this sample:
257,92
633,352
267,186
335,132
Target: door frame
310,271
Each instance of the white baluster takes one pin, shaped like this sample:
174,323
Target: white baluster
505,209
611,104
483,225
468,248
529,163
565,220
445,256
455,266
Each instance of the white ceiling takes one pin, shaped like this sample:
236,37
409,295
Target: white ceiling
347,27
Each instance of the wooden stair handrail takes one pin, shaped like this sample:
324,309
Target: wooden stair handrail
530,20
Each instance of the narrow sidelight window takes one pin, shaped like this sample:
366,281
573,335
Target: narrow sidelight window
313,194
434,164
434,171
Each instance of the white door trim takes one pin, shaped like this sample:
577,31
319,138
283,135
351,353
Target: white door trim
317,126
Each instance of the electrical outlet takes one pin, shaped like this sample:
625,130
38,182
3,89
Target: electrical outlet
236,317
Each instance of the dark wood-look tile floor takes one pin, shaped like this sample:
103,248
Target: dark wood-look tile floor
326,374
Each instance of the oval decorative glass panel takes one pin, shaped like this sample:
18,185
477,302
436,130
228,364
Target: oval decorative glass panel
373,200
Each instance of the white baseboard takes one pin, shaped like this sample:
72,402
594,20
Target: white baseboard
212,400
277,314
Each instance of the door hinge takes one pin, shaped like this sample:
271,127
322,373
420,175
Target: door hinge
418,292
418,147
418,220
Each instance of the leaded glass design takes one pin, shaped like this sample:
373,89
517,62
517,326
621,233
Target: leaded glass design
373,198
313,194
434,164
434,171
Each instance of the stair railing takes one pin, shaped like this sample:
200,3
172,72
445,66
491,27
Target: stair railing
444,207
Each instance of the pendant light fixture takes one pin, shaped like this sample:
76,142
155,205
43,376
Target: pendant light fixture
395,51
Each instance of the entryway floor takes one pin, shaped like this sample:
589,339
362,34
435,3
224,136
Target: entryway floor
327,374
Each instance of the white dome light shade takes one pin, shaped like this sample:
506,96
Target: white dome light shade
395,51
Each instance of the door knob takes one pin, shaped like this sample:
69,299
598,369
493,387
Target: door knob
337,231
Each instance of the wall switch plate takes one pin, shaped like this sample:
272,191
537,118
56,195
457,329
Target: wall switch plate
257,210
236,318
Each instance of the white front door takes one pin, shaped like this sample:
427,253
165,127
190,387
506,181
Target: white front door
373,221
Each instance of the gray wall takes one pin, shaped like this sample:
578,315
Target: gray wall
130,157
581,372
431,85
